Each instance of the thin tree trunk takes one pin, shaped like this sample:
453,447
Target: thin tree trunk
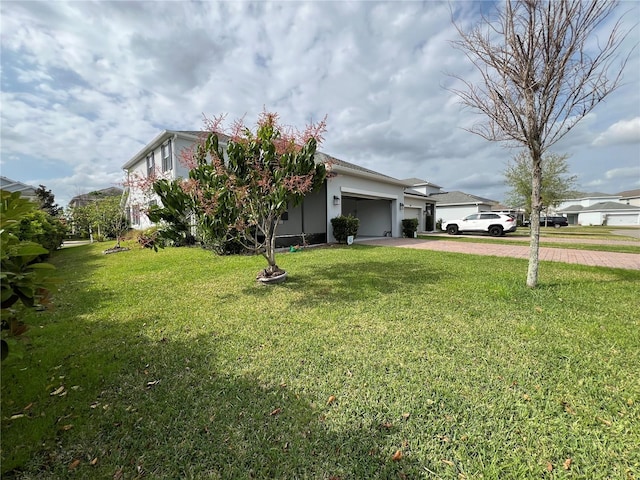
536,207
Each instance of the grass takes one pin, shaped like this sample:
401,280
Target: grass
177,365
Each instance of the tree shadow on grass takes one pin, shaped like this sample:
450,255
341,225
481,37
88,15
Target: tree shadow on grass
358,278
171,413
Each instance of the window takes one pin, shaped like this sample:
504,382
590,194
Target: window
487,216
151,164
135,215
167,157
475,216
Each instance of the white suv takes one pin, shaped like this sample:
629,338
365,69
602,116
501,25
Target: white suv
495,224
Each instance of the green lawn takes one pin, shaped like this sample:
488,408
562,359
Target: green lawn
177,364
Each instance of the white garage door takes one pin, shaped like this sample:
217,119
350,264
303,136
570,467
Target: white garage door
413,213
622,219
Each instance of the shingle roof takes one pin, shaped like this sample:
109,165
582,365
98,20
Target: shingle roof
460,198
630,194
599,207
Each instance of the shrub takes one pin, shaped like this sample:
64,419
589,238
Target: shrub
439,224
40,227
409,227
149,238
344,227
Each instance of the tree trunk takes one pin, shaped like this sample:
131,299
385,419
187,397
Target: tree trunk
536,207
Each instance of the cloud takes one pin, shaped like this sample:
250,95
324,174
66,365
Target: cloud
624,131
86,85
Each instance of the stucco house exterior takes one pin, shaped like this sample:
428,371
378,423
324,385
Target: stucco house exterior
379,201
598,208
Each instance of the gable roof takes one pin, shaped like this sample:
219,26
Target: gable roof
629,194
599,207
14,186
418,182
461,198
190,135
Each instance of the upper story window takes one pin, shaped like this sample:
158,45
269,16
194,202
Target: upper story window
167,157
151,164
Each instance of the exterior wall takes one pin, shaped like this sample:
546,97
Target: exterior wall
137,199
307,218
590,218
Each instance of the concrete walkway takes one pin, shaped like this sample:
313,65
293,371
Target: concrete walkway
629,261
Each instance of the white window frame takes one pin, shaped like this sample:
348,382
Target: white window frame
167,156
151,164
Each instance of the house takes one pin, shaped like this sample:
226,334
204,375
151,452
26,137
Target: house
26,191
454,205
379,201
598,208
85,199
630,197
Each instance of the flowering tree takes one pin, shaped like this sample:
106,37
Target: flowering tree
242,191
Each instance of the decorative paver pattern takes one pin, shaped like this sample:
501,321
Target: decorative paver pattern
629,261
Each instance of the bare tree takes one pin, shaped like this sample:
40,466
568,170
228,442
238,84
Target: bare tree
542,70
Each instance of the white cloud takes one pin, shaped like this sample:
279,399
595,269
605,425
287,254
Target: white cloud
624,131
86,85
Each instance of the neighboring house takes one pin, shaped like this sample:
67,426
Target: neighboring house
454,205
602,209
630,197
86,198
26,191
380,202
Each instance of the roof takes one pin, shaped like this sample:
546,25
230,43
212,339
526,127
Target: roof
418,182
629,194
599,207
191,135
14,186
460,198
585,195
86,198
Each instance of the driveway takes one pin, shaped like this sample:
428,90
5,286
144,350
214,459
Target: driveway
629,261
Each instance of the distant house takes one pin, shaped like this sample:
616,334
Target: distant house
602,209
86,198
379,201
26,191
630,197
454,205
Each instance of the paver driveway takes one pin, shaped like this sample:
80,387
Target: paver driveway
628,261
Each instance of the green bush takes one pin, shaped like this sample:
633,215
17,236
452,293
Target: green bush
24,279
439,224
344,227
40,227
409,227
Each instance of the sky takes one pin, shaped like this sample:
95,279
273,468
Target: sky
86,85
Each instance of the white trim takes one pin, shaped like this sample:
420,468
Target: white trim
367,193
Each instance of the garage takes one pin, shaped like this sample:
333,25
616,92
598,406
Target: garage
413,212
374,214
622,219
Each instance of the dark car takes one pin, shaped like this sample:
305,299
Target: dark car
556,222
